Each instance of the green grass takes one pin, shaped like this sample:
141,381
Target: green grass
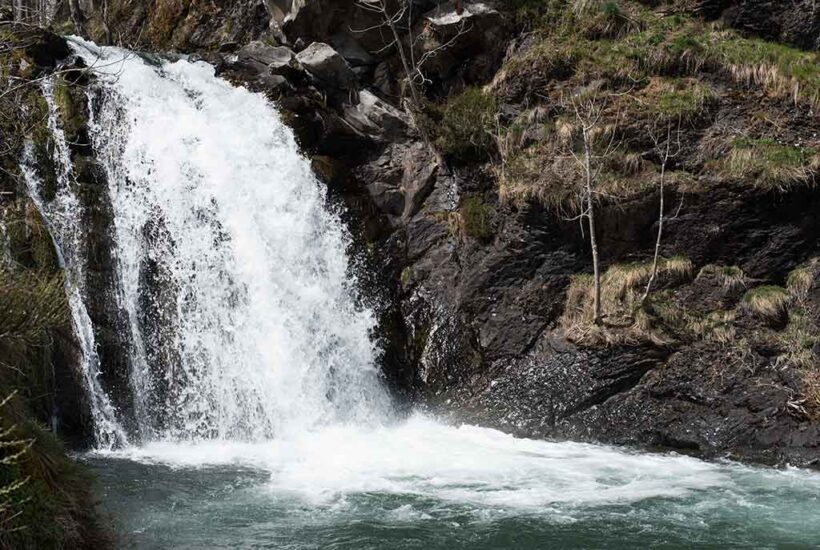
468,124
646,43
767,302
476,219
769,164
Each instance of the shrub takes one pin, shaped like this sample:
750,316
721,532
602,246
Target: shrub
476,218
468,125
30,306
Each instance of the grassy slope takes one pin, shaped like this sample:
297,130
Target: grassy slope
741,113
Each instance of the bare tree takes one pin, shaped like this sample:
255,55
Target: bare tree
398,18
664,149
596,147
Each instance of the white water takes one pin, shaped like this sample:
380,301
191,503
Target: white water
63,216
260,334
249,351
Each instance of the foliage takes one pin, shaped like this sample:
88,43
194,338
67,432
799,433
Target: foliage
467,125
476,218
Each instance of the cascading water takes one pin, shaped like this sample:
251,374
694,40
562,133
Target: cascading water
63,217
261,420
233,273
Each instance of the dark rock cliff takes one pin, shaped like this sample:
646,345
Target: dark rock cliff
460,207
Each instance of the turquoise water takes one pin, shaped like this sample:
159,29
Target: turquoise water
423,485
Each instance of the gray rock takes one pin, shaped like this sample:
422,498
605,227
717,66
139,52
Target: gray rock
351,50
327,66
376,118
262,55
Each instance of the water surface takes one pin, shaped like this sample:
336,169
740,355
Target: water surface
425,485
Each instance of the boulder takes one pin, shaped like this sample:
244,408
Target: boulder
273,58
327,66
450,39
376,118
351,50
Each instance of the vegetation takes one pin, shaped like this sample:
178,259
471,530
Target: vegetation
769,164
730,277
768,302
476,218
657,67
628,318
45,497
467,125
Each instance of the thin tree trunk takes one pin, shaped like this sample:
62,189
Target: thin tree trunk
654,273
403,57
77,17
593,240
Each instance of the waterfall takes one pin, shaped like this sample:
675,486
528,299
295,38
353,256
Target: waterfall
232,271
63,216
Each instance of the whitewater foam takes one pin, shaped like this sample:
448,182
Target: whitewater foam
234,273
424,457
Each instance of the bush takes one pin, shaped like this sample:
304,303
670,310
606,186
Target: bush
468,125
476,219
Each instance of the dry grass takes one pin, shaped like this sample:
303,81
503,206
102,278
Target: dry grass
799,339
768,302
811,393
801,280
731,277
543,173
770,165
627,320
717,326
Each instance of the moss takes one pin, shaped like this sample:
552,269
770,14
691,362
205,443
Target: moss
406,276
467,125
70,104
167,17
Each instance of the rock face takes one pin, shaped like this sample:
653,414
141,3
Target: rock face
476,288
